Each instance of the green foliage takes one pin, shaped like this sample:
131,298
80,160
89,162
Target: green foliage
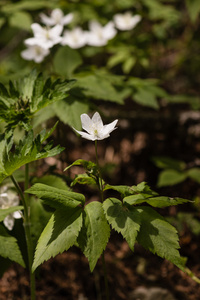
9,247
98,85
27,5
94,234
28,150
70,109
175,171
88,228
28,95
69,58
123,219
159,236
52,180
59,235
39,218
193,9
7,211
56,197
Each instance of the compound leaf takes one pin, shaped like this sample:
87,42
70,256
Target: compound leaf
56,197
123,219
94,234
59,234
158,236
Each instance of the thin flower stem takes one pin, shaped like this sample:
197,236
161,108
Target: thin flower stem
102,199
99,171
24,200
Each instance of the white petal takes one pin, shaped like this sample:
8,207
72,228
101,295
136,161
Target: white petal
96,119
67,19
57,14
86,123
56,30
94,40
85,135
94,25
75,38
27,54
9,222
17,215
46,20
107,129
32,41
109,31
38,30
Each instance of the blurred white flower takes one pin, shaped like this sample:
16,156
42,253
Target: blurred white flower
99,35
126,21
7,200
56,17
35,53
45,37
95,128
75,38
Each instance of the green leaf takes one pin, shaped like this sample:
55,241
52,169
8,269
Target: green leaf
28,5
9,247
144,97
98,87
28,95
161,201
56,197
59,234
21,20
128,64
28,150
194,173
83,179
39,218
66,60
193,9
142,190
94,234
87,165
158,236
123,219
165,162
69,111
170,177
52,180
7,211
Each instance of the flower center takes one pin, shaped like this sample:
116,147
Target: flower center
96,133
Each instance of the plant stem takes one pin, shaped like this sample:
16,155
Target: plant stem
100,177
102,199
25,203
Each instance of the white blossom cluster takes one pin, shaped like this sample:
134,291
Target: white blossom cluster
9,198
52,33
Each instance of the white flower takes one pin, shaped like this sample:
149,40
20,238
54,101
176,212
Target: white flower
126,21
56,17
75,38
35,53
8,200
45,37
95,128
99,35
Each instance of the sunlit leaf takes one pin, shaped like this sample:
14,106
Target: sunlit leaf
59,234
9,247
123,219
94,234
